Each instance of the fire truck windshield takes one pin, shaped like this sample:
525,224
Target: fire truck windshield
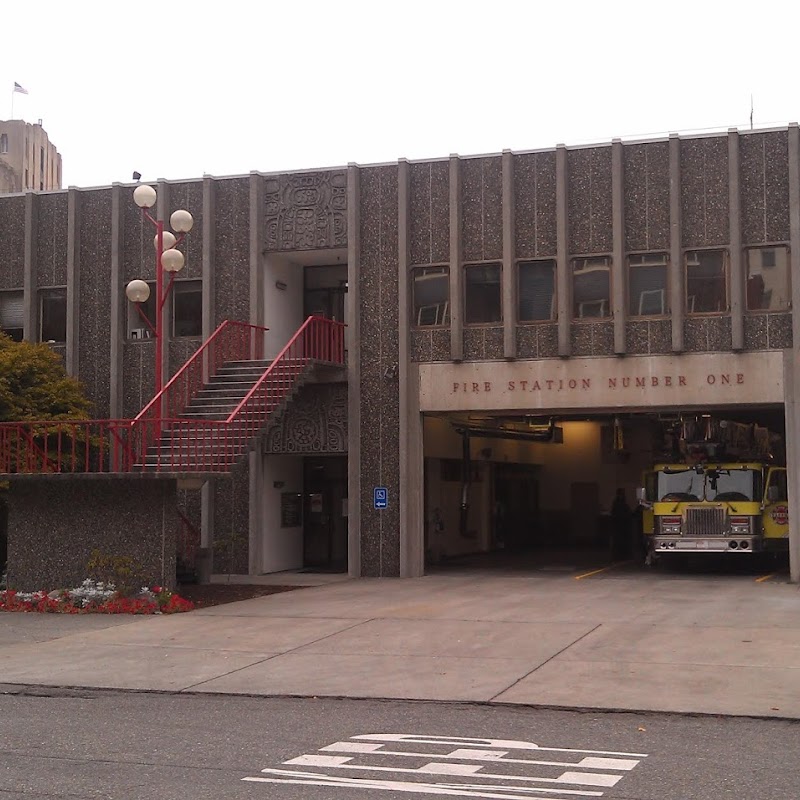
711,483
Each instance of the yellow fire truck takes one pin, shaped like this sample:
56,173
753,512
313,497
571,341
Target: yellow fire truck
708,504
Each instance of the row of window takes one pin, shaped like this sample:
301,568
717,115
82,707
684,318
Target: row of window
707,287
186,306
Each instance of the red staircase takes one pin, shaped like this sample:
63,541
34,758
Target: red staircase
203,421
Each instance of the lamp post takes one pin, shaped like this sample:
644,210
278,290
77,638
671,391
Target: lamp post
168,259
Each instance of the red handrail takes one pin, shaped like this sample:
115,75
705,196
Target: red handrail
58,446
333,352
231,341
253,350
192,444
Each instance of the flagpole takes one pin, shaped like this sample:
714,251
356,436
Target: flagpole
13,92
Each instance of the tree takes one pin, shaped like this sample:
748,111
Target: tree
35,386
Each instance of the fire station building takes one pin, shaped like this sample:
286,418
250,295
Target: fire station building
521,331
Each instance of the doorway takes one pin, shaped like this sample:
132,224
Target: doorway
324,291
516,507
325,517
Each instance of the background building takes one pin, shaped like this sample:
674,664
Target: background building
28,160
608,286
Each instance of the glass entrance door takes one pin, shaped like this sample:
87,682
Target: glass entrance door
325,517
325,288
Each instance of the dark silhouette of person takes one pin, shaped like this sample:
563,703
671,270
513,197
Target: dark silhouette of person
620,527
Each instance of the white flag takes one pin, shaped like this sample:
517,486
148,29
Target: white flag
18,88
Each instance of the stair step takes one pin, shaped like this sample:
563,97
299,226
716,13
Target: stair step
217,412
221,393
264,363
230,382
221,469
226,369
226,402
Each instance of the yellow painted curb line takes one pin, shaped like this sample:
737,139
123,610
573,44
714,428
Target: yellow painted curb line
602,569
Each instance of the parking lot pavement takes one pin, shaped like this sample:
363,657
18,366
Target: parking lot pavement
615,638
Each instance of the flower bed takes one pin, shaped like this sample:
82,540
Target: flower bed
95,597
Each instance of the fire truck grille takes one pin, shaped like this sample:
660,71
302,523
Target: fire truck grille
706,522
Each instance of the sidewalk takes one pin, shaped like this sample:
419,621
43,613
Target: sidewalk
643,641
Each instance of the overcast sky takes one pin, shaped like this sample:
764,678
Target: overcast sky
176,90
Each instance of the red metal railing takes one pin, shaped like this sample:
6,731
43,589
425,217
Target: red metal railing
231,341
318,340
204,445
170,443
55,446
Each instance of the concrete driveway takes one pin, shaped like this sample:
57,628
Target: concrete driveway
606,639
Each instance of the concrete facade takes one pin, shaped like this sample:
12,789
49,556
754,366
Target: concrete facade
29,161
704,207
50,544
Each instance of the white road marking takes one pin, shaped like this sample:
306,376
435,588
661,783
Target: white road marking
459,741
498,756
458,790
589,771
580,778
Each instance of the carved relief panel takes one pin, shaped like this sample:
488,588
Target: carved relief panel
314,422
306,211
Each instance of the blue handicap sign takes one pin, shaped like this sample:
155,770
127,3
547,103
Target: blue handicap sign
381,497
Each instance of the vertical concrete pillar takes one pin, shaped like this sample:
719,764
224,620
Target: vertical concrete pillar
456,264
118,306
256,250
352,340
792,359
73,279
255,473
677,280
209,324
510,286
255,539
791,384
412,532
563,282
30,320
207,273
619,272
735,228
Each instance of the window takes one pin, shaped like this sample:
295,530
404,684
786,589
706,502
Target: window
777,488
430,288
53,315
3,142
591,287
187,308
768,285
706,281
137,327
12,313
482,295
537,290
647,284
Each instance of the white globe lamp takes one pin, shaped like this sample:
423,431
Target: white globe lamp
144,196
137,291
181,221
167,238
172,260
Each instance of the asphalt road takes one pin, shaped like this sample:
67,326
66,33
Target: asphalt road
87,744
